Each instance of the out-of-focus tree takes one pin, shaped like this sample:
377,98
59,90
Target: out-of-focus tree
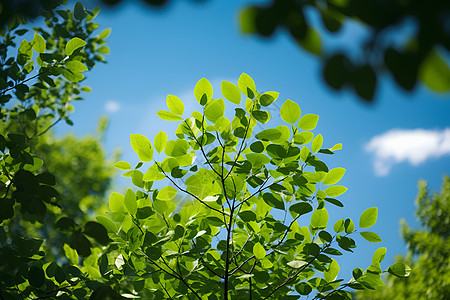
421,56
428,252
417,57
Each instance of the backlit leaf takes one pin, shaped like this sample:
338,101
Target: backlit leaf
168,115
308,122
333,176
258,251
116,202
368,217
335,190
175,104
290,111
160,141
142,146
317,143
73,45
122,165
247,85
167,193
319,218
231,92
370,236
203,91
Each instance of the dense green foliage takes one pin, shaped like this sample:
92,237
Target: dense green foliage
39,79
428,252
242,213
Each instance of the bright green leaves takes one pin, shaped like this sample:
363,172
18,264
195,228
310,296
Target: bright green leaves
73,45
332,271
370,236
231,92
75,66
175,104
368,217
316,143
335,190
400,270
176,148
247,85
39,43
308,122
142,146
153,174
271,134
319,218
334,176
167,193
259,251
290,111
122,165
130,201
379,255
168,116
116,202
203,91
214,109
160,141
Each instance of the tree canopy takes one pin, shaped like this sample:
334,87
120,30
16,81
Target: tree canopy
428,251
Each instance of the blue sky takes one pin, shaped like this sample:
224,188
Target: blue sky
160,52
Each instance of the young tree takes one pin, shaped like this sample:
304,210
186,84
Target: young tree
254,224
428,251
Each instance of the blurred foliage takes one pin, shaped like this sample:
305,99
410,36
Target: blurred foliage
428,251
420,57
423,56
41,71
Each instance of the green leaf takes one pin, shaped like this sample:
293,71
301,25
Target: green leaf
333,176
142,146
311,42
335,190
316,143
122,165
273,201
332,271
400,270
203,91
300,208
339,226
270,134
290,111
247,85
107,223
370,236
303,288
71,254
105,33
39,43
319,218
435,72
176,148
258,251
72,76
160,141
97,231
214,109
167,193
73,45
303,137
78,11
368,217
175,104
116,202
379,255
349,226
336,147
153,174
75,66
231,92
261,116
308,122
268,98
36,276
168,116
130,202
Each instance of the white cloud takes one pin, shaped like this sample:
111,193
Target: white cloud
112,106
414,146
